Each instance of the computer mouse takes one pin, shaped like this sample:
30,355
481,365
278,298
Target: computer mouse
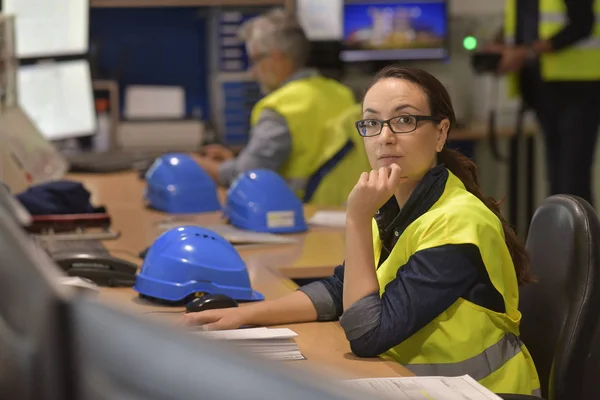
210,302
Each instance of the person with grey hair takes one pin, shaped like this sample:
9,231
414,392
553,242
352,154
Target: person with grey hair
288,125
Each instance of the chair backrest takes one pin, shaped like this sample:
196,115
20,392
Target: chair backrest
561,310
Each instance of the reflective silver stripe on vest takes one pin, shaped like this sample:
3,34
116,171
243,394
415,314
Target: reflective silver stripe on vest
589,43
559,18
479,366
536,392
297,184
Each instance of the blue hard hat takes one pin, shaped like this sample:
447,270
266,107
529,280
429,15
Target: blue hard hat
261,201
177,184
188,260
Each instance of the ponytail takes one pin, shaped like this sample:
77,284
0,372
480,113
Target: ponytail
466,171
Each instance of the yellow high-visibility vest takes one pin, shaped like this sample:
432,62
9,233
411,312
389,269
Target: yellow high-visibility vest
307,106
579,62
466,338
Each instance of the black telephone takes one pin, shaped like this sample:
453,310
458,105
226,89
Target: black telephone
90,259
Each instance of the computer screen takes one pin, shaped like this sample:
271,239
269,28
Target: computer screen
32,319
12,206
120,356
49,27
58,97
395,30
26,157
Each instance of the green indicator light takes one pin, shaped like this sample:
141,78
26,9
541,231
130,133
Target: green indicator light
469,43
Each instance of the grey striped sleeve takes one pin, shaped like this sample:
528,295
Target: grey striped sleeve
321,298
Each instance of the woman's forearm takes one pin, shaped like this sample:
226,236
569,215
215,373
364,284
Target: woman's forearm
360,278
295,307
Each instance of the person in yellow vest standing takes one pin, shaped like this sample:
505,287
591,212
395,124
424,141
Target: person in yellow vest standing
288,131
432,270
552,51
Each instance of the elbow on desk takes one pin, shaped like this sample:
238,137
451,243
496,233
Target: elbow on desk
367,348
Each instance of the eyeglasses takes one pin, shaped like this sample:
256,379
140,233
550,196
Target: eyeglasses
400,124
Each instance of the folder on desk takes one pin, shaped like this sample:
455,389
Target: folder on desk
273,343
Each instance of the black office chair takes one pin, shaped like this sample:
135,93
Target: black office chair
560,311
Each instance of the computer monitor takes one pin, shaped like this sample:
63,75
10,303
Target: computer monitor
26,157
396,30
58,97
46,28
33,330
120,356
12,206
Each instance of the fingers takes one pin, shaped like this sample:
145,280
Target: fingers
200,318
215,326
395,175
364,178
215,152
373,177
383,176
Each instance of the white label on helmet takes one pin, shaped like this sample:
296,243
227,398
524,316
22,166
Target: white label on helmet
281,219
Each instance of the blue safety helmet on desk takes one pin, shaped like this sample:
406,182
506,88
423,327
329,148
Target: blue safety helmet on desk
190,260
177,184
261,201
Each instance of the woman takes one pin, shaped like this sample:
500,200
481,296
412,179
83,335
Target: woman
432,280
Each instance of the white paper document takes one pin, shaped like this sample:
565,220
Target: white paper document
423,388
334,219
271,343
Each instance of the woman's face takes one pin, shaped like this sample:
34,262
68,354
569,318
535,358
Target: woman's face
415,152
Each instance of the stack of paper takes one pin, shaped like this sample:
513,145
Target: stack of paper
272,343
423,388
334,219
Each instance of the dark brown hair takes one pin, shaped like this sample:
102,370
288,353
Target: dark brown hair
465,169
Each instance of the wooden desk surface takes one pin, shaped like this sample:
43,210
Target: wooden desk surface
324,344
314,256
